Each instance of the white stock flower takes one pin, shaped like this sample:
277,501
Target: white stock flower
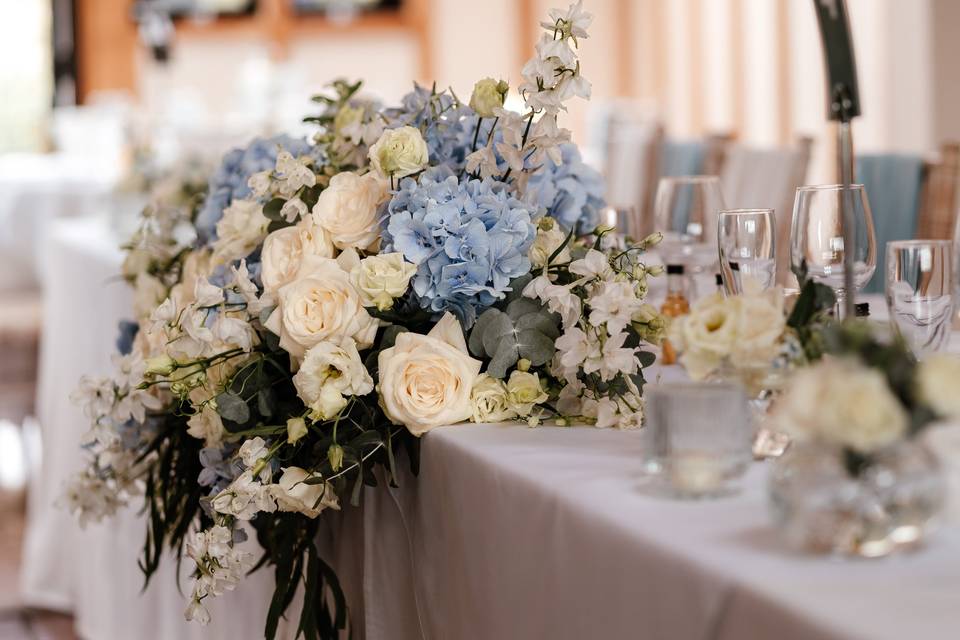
488,95
524,391
614,303
937,378
329,372
292,174
843,402
347,209
612,359
399,152
559,299
319,304
239,231
285,249
426,380
382,278
572,23
293,494
489,400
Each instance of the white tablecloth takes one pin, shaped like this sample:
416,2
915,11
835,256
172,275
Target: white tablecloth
93,573
508,532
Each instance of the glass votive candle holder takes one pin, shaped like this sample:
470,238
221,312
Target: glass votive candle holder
698,438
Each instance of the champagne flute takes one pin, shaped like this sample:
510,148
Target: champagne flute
919,290
746,239
685,211
816,236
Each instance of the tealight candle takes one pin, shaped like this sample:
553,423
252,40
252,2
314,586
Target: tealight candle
697,472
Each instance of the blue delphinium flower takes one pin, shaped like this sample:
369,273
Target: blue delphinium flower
230,179
126,332
468,239
571,193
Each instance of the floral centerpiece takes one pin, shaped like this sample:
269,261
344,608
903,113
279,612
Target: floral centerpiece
325,303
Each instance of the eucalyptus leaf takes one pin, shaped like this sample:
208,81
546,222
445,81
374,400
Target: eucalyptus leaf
502,361
535,346
539,321
521,307
646,358
232,407
498,327
271,210
476,334
265,401
390,336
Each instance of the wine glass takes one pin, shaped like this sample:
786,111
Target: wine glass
746,240
685,212
816,236
919,289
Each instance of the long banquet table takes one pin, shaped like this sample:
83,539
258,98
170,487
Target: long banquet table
507,532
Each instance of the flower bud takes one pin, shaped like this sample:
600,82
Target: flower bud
488,95
162,365
335,456
296,429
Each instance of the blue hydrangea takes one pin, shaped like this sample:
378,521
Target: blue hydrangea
468,238
571,193
126,333
230,179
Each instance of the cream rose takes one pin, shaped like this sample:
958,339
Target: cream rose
426,380
284,250
382,278
319,304
239,231
489,400
293,494
488,95
706,336
842,402
937,378
329,372
347,209
524,391
399,152
760,327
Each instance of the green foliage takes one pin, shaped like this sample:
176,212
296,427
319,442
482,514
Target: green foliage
525,330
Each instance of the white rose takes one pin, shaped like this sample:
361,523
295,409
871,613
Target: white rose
329,372
524,391
382,278
399,152
842,402
239,231
937,378
489,400
545,243
284,250
347,209
426,380
292,494
320,303
488,95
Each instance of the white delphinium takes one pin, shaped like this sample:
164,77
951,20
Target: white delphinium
220,567
292,174
242,284
90,497
558,298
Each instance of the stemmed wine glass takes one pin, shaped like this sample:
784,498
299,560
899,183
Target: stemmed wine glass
816,236
919,290
746,239
685,211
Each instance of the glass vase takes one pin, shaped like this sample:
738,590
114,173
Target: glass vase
892,503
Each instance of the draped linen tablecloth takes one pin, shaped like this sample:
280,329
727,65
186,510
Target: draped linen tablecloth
511,532
93,573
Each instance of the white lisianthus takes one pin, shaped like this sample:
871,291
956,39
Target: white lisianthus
489,400
328,373
426,380
399,152
320,304
937,378
488,95
745,329
239,231
524,391
382,278
550,237
296,429
843,402
285,249
293,494
347,209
